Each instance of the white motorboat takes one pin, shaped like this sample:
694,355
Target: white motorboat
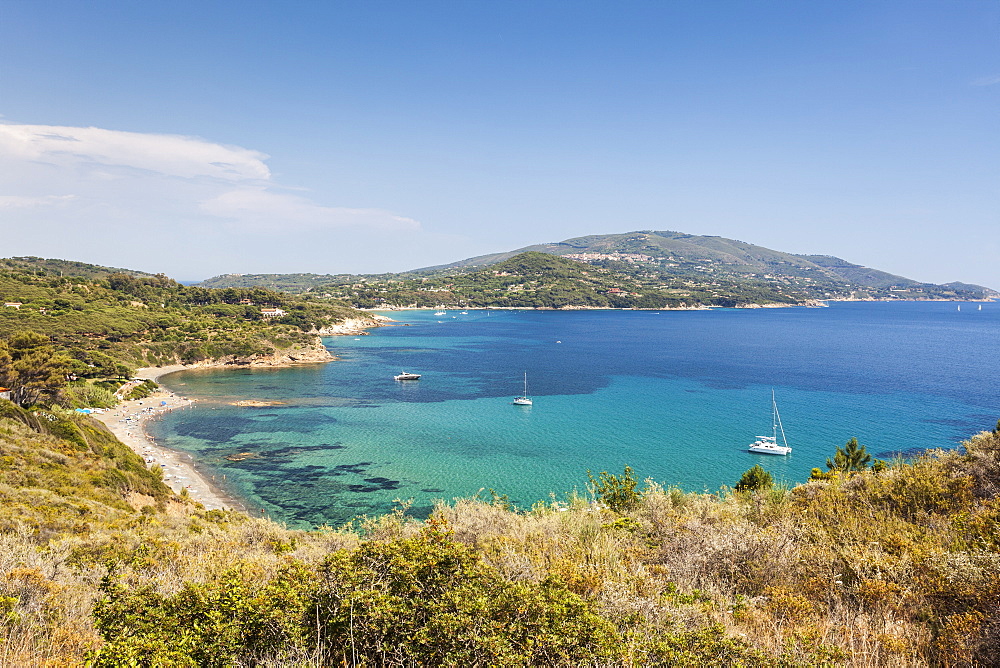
524,399
768,445
407,376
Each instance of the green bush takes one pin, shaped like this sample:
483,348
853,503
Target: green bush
431,601
142,390
89,396
754,479
233,620
617,492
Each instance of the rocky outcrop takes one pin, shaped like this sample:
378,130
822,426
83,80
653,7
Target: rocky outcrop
316,353
353,326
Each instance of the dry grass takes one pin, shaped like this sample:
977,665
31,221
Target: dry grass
900,568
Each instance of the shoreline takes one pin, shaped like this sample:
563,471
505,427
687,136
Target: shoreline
127,422
810,303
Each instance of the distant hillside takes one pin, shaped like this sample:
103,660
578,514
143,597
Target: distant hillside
134,319
66,268
713,267
295,283
541,280
676,253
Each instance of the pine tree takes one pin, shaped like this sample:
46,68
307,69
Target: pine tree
851,457
754,479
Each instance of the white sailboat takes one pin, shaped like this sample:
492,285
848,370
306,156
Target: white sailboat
524,399
768,445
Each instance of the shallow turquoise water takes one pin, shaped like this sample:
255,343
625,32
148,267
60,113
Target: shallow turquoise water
675,395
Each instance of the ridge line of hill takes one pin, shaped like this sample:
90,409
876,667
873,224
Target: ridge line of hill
666,268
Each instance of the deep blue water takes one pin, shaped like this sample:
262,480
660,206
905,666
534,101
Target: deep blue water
676,395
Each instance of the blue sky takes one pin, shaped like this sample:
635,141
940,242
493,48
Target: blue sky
199,138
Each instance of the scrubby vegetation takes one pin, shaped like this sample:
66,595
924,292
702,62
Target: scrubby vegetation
98,561
111,323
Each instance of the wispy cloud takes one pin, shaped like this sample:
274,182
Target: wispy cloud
44,165
266,209
987,81
166,155
18,202
66,189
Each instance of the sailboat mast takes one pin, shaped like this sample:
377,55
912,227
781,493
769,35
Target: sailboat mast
774,417
777,419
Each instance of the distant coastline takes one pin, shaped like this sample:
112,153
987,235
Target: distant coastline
809,303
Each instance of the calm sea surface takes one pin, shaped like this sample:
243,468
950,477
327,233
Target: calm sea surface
676,395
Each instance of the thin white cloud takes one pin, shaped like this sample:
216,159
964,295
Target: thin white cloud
136,178
270,210
179,204
166,155
18,202
987,81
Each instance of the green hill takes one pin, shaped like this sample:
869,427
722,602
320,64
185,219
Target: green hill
67,268
710,269
143,320
685,255
540,280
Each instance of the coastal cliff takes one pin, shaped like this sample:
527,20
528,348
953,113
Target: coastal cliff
311,352
352,326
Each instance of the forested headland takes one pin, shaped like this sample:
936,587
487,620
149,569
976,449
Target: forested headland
99,323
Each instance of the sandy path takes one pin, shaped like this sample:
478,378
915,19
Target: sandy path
127,422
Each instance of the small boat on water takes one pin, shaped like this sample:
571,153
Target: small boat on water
441,313
407,376
768,445
524,399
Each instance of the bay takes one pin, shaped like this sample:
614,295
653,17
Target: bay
677,395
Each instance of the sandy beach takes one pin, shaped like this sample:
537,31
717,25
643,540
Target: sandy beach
127,422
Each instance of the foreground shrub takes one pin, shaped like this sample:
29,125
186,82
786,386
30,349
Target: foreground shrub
232,620
617,492
753,479
431,601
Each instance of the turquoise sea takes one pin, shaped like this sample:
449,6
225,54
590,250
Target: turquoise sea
677,395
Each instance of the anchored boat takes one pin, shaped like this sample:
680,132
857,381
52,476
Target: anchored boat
768,445
524,399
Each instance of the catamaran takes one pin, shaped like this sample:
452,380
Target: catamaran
768,445
524,399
